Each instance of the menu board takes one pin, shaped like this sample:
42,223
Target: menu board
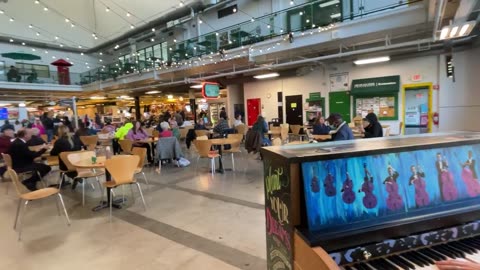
383,107
279,225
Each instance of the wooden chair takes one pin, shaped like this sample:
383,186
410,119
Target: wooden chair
44,137
202,132
235,147
202,138
155,133
89,141
25,195
203,150
69,158
183,133
149,131
295,130
276,132
277,142
387,132
141,153
241,129
122,168
126,146
284,129
9,164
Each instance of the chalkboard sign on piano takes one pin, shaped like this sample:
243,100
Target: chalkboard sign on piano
277,214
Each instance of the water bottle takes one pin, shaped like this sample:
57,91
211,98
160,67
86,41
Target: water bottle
108,153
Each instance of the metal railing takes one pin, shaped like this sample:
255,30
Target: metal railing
25,77
312,15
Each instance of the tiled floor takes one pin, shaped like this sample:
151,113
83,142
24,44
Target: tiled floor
193,221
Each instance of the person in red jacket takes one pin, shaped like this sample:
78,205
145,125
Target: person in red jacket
6,140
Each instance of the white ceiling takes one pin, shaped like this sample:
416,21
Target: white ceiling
88,16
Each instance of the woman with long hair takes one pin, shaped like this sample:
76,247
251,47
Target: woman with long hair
66,143
136,135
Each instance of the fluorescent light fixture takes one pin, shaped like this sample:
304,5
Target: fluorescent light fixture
334,16
170,97
444,33
372,60
4,104
457,30
464,29
453,32
152,92
98,97
21,104
196,86
329,3
266,76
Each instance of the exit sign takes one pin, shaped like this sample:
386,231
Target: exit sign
416,78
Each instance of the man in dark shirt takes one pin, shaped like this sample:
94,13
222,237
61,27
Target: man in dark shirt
35,139
23,159
47,121
341,131
221,126
12,75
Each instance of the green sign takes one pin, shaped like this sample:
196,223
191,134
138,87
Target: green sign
211,90
379,85
314,97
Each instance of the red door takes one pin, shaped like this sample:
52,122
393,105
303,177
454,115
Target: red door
254,108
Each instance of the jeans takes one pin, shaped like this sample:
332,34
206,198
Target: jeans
49,134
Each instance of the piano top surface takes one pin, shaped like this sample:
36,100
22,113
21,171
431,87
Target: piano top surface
361,147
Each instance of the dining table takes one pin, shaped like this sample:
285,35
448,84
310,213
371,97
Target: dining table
99,164
221,142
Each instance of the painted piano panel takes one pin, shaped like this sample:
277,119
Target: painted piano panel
342,194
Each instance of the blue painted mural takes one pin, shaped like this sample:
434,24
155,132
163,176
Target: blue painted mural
385,187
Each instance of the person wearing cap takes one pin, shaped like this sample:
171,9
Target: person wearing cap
340,130
371,128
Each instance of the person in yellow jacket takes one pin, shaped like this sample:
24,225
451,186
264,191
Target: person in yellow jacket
120,135
123,131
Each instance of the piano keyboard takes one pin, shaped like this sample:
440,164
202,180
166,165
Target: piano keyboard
424,258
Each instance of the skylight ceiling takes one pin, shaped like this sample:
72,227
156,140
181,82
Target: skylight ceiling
79,24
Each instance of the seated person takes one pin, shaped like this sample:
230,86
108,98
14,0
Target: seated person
371,128
13,75
166,132
222,126
173,122
319,127
7,125
108,128
238,120
35,139
23,159
261,127
200,125
6,140
136,135
65,143
340,130
123,131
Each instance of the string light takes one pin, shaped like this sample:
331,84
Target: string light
33,49
11,40
181,4
46,52
128,14
107,9
67,20
37,2
72,25
153,29
2,11
30,26
252,20
45,8
292,3
23,43
79,46
81,53
38,34
11,19
132,26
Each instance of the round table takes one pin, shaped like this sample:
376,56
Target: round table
220,142
99,164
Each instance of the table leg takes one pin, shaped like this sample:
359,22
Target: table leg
106,204
220,163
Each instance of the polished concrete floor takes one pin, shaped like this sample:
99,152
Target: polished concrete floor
193,221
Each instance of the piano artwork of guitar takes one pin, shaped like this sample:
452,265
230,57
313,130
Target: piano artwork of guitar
402,202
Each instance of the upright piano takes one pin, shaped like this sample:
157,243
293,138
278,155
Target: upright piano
400,202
